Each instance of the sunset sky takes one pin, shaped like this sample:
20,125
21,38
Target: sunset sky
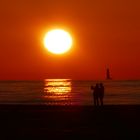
105,34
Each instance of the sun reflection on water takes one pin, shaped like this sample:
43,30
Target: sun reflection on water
57,91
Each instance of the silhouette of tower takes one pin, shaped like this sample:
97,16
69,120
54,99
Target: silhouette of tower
108,74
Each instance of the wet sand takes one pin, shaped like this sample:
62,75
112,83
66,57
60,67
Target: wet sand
68,122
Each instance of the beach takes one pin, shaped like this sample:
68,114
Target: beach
69,122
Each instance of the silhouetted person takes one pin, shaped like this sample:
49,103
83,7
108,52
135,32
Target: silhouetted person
101,93
95,94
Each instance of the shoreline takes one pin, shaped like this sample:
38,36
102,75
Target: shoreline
44,106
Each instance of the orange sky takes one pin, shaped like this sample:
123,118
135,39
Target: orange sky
106,34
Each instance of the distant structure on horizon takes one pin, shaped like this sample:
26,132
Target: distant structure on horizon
108,77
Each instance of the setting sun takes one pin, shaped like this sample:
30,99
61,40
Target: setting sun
58,41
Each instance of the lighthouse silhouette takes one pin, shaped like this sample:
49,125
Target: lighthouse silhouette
108,77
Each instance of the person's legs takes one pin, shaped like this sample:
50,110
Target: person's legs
94,101
97,101
101,101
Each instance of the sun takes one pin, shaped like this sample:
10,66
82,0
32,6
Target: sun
58,41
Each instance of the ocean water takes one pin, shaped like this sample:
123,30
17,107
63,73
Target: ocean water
68,92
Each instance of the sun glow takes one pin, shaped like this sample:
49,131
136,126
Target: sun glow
58,41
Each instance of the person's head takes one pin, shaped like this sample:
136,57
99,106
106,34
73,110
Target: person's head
101,84
97,85
92,87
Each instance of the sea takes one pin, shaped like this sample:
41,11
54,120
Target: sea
68,92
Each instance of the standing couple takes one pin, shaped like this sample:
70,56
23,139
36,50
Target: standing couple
98,94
